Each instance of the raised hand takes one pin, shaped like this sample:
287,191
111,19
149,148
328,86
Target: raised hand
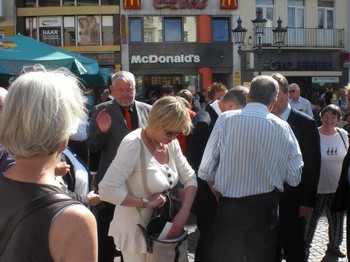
103,121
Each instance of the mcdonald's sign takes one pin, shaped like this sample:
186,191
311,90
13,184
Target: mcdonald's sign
228,4
132,4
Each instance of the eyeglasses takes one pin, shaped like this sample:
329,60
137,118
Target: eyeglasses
292,91
172,133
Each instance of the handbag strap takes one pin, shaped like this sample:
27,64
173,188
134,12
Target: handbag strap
36,204
143,171
342,138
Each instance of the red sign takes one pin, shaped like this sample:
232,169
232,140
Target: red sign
182,4
132,4
229,4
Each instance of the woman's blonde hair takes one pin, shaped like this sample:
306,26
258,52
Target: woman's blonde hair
42,109
170,113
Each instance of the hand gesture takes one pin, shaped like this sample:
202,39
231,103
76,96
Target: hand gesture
103,121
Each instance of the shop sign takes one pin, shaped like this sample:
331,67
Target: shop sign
229,4
50,21
165,59
180,4
302,65
101,58
50,35
132,4
322,79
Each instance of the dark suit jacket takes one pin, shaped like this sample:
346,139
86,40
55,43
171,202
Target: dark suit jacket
204,203
342,195
306,131
109,142
203,123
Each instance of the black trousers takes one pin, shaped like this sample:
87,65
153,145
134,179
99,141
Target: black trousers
106,247
246,229
204,207
291,238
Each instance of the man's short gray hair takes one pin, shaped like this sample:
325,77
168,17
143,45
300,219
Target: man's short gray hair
263,89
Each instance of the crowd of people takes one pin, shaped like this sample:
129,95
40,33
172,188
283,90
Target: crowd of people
257,167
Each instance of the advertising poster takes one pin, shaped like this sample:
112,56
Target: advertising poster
50,30
89,28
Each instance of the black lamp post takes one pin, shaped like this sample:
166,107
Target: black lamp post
259,24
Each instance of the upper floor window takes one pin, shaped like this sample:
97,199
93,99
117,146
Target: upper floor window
135,25
155,29
172,29
296,13
34,3
325,14
220,29
266,6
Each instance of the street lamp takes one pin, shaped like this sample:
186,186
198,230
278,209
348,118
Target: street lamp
259,24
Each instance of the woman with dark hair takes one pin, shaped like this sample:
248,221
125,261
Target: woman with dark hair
334,144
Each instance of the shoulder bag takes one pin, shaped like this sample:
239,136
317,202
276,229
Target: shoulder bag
175,249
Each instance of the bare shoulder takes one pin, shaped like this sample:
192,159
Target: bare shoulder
73,235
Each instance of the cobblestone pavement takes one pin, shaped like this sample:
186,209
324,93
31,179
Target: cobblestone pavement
317,251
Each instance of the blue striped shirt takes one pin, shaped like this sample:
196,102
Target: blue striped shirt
249,152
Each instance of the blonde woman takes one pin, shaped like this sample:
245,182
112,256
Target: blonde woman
165,166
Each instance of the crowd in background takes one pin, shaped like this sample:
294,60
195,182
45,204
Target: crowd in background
257,166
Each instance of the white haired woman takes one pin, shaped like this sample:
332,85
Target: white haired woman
41,111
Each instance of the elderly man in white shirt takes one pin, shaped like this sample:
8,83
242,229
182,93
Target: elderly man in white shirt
250,154
297,101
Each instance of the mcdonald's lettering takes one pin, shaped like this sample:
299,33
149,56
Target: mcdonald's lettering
228,4
132,4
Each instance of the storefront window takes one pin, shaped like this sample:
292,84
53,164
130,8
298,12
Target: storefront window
107,30
135,25
69,31
153,29
220,27
190,29
31,27
140,96
172,29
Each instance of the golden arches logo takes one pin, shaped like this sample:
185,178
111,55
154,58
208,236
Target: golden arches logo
7,44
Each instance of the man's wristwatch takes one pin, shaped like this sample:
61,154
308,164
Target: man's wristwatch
144,202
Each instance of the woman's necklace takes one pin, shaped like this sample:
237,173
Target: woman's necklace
148,140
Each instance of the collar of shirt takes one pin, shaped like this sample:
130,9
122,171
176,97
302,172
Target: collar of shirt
286,113
295,102
256,109
216,107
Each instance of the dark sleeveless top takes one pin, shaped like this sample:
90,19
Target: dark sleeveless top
30,241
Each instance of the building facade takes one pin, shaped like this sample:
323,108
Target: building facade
316,43
87,27
186,44
189,43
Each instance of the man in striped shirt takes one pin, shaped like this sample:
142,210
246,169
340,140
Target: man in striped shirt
250,154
